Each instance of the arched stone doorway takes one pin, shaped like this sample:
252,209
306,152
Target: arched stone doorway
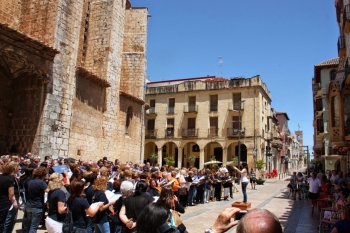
190,148
170,149
213,150
22,98
244,153
150,148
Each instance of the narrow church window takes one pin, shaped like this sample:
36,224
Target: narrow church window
129,114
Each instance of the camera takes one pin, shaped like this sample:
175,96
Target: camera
240,214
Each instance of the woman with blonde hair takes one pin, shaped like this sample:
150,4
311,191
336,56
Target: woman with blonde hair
101,220
56,204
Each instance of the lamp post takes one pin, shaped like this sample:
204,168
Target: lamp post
239,136
268,155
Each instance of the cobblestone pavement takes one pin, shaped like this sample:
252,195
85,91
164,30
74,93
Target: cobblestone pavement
295,216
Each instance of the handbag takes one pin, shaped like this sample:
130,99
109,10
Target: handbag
175,219
67,225
182,191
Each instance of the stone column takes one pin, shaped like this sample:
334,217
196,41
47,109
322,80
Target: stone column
224,156
160,156
179,157
201,158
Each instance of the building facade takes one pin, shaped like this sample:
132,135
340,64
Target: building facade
324,73
208,118
338,90
72,78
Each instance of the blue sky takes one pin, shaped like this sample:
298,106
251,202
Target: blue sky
281,40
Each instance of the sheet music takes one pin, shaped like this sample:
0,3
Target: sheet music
95,205
112,196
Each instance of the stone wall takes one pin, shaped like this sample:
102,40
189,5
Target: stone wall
73,112
56,120
134,52
9,12
128,143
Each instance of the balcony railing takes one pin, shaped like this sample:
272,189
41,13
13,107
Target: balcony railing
169,133
236,106
213,107
213,132
191,108
151,134
341,46
151,110
170,110
189,133
235,133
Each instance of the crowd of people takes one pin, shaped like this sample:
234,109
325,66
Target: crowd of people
330,188
46,189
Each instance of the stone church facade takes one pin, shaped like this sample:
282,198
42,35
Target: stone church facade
72,77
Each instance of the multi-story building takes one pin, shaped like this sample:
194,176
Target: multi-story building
285,134
72,77
324,73
207,117
338,94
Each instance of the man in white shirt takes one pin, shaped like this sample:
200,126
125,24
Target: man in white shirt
314,186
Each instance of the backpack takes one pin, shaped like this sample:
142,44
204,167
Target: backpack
67,225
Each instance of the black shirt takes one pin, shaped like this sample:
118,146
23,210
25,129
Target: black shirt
153,192
36,192
6,183
89,192
53,198
134,205
78,207
100,196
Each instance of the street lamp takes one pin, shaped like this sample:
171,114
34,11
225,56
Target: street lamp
239,135
269,155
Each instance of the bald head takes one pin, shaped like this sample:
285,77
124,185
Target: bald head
259,220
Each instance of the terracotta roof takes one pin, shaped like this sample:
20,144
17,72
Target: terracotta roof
333,61
283,113
183,79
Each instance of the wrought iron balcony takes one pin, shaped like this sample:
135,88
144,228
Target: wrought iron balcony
169,133
213,107
341,46
151,110
235,133
151,134
213,132
189,133
170,110
190,108
236,106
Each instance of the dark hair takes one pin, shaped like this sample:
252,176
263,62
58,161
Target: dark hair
141,187
245,165
76,189
40,172
166,196
91,177
77,174
43,164
151,217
